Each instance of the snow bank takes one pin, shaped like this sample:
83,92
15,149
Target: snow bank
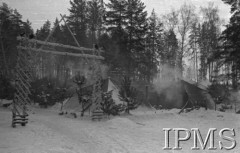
173,111
205,114
5,102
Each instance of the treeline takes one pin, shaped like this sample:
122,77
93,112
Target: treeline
229,52
142,45
11,26
188,41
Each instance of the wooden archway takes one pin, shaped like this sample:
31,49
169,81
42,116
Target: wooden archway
28,49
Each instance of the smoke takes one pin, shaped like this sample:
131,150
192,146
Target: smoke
167,85
104,71
166,78
235,96
90,70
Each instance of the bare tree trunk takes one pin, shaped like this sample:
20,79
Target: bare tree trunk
212,71
41,66
234,80
181,56
197,65
209,71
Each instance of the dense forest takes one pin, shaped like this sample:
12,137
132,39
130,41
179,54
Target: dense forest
191,42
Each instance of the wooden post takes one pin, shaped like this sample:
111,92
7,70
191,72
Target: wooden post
235,106
215,106
146,92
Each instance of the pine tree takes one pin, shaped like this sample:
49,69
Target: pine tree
116,15
96,11
230,38
154,32
57,33
77,21
115,21
208,35
212,24
27,28
153,45
127,23
10,27
66,36
136,29
169,53
128,94
111,53
108,105
44,31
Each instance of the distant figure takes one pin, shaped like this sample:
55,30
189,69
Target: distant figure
205,104
96,46
31,36
44,97
23,34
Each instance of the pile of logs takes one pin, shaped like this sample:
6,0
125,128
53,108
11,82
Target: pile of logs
97,115
19,119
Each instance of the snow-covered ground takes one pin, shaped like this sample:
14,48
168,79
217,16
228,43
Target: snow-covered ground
141,132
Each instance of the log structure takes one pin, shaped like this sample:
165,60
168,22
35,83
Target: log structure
97,115
25,65
25,71
60,49
23,78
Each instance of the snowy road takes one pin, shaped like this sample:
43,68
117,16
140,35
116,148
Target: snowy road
141,132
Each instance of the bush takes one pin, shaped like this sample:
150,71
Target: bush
109,107
47,92
219,92
80,80
128,94
6,88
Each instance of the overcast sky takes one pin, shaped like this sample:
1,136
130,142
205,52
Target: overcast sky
38,11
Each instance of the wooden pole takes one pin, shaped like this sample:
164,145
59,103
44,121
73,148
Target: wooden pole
72,34
146,92
81,49
62,53
235,106
51,33
215,102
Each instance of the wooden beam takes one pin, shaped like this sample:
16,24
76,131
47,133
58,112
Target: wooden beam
57,45
62,53
53,30
70,31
